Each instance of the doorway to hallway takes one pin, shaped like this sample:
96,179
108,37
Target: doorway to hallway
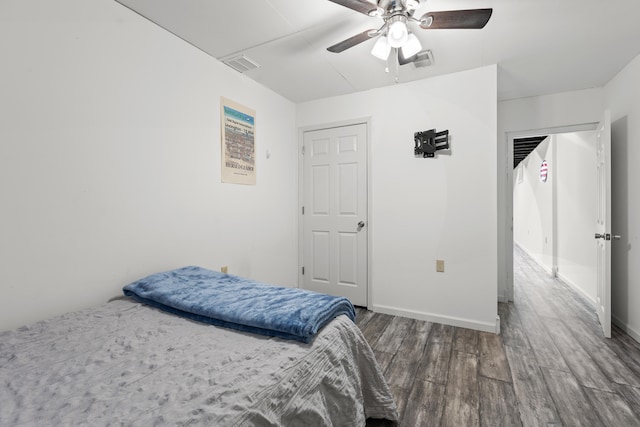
559,210
554,202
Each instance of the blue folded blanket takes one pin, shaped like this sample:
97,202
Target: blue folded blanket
239,303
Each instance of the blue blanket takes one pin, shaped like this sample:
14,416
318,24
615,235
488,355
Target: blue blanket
239,303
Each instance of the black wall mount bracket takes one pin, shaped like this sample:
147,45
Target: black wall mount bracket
429,141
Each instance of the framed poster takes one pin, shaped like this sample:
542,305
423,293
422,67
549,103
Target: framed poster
238,128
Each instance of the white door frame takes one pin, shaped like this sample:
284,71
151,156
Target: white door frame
510,136
370,222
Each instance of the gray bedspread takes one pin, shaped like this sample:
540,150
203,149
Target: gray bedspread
124,363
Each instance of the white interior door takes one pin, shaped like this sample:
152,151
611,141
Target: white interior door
335,221
603,224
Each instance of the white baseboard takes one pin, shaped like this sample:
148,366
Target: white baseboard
562,278
540,264
628,329
576,288
446,320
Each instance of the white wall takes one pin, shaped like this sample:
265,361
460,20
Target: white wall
524,116
623,99
576,200
553,221
428,209
533,200
110,160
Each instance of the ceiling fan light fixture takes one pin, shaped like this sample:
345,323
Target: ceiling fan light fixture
412,4
412,46
397,31
381,49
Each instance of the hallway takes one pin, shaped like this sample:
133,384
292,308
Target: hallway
562,367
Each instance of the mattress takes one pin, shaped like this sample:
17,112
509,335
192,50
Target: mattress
126,363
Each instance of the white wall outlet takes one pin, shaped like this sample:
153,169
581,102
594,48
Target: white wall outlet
440,265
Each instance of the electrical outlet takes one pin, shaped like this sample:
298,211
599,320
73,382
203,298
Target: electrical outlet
224,269
440,265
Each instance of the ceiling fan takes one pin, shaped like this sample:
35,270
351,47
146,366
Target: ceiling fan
395,33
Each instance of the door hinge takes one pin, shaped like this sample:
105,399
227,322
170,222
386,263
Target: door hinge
303,210
303,271
303,150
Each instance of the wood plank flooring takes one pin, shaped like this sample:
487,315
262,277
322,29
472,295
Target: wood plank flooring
550,366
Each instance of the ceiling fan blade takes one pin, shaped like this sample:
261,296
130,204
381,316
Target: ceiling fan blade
362,6
456,19
352,41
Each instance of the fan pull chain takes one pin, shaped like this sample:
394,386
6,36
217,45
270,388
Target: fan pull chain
397,79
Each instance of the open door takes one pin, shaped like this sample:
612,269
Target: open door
603,224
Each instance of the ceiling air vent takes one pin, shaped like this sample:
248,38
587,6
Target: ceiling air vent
522,147
423,59
241,63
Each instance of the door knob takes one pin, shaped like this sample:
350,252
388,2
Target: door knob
607,236
360,225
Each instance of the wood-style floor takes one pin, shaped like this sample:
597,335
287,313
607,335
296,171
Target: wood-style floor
550,366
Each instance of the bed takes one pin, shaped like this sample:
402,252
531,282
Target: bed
127,362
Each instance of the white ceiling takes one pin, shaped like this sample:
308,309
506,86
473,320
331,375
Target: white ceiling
541,46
